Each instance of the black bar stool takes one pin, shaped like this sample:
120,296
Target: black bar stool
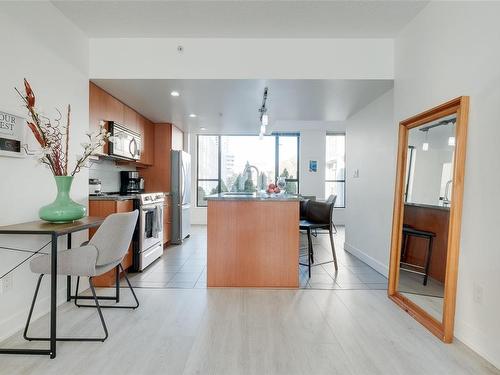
313,216
409,231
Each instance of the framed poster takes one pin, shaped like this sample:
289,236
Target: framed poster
313,165
12,129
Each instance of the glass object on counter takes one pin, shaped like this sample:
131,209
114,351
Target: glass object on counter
281,183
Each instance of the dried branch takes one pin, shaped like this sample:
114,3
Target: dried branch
54,142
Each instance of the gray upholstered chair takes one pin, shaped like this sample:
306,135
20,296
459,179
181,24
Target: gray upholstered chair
103,252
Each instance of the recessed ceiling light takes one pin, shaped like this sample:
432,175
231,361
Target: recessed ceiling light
202,128
175,93
192,115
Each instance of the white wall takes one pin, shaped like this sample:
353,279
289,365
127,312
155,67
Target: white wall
109,173
451,49
40,44
242,58
371,144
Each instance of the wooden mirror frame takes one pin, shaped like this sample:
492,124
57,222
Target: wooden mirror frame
444,329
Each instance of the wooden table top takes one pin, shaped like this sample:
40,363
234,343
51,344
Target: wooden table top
44,227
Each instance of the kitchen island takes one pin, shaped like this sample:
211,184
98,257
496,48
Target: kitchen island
253,241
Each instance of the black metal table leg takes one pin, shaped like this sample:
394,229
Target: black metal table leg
68,278
117,284
53,298
309,250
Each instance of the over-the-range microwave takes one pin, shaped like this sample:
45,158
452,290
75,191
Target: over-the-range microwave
124,144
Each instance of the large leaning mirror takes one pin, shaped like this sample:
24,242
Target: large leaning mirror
427,215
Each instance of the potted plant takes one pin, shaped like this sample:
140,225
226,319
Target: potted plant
53,139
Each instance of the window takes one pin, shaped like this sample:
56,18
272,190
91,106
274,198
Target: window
230,163
287,161
335,168
208,167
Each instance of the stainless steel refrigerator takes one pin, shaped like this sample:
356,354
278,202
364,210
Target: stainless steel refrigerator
181,196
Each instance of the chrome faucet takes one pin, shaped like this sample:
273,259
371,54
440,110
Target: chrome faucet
245,171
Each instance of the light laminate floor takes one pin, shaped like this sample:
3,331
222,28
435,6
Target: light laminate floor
184,266
248,331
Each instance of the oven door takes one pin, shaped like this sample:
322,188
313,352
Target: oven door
151,226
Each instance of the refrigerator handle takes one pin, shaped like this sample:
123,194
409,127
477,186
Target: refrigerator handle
183,183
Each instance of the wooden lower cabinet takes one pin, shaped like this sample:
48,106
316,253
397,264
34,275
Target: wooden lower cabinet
103,208
167,220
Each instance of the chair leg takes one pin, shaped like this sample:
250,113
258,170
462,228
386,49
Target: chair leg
117,294
309,251
117,284
332,243
25,333
334,227
91,283
76,293
130,287
428,261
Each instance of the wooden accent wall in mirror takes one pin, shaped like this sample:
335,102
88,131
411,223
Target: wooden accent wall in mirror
427,215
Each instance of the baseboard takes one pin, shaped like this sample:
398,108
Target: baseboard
484,346
372,262
14,324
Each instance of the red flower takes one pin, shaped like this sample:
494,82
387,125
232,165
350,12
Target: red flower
30,96
37,134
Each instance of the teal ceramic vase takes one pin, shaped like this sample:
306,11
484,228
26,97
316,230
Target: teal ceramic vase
63,209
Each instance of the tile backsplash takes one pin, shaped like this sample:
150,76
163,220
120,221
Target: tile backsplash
109,174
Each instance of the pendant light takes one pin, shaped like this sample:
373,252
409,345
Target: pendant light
264,117
451,139
425,145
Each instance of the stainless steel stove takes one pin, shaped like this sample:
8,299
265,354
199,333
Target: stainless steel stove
150,242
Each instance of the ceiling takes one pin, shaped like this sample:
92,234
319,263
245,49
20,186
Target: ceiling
241,19
231,106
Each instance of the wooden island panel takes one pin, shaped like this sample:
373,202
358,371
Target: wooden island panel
253,244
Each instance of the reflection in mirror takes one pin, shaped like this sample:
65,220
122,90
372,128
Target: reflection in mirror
427,202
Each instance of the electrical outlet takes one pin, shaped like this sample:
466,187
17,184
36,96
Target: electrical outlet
477,294
356,173
6,284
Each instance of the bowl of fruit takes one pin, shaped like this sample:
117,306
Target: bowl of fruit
273,189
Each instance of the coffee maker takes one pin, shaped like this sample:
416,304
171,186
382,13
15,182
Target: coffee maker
131,183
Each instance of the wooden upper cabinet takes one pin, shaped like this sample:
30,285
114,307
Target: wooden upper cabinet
146,130
105,107
131,119
97,111
157,177
115,109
